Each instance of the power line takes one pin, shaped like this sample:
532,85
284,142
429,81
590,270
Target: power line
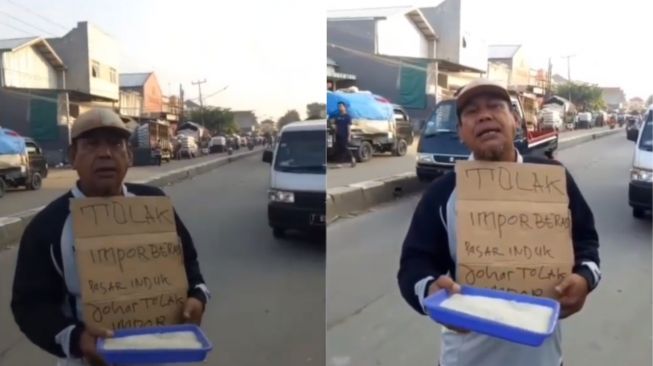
37,14
27,24
18,29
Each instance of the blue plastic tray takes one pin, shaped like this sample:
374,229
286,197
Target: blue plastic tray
156,356
491,328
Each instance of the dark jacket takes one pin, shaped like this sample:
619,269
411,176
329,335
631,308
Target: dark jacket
425,249
39,291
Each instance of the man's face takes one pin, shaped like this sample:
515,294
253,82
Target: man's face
342,108
487,127
101,158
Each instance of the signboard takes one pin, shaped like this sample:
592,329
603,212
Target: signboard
513,227
130,261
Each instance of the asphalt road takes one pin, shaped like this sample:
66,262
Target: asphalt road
385,165
268,295
370,324
60,180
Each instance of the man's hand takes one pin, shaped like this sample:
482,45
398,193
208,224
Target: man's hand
193,311
87,342
445,282
572,292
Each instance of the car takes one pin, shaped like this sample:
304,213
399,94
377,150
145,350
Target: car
641,172
297,190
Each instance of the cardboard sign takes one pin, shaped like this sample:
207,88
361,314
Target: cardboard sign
513,227
130,261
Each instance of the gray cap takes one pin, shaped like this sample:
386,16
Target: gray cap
477,87
98,118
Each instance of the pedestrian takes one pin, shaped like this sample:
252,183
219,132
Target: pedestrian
343,135
46,300
428,259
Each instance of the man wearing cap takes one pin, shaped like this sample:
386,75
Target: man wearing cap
487,126
46,300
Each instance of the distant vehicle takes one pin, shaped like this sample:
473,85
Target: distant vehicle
551,118
641,173
218,144
440,146
296,199
189,148
584,120
25,168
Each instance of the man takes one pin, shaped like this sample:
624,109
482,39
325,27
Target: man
487,125
46,300
343,133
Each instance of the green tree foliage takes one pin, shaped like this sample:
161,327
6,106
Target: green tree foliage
585,97
289,117
316,111
216,120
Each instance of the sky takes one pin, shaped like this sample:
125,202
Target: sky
270,56
610,40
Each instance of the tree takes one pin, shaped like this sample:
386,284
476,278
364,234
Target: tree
585,97
316,111
289,117
216,119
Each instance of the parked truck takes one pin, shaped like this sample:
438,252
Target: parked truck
22,163
378,126
152,143
440,146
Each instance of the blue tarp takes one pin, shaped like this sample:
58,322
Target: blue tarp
360,105
11,143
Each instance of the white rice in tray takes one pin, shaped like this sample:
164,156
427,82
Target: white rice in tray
172,340
530,317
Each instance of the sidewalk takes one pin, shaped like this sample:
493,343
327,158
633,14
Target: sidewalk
61,180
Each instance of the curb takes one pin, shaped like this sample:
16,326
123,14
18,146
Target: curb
359,197
12,227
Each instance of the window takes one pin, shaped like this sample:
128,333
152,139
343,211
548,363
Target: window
113,76
32,149
444,120
302,152
95,69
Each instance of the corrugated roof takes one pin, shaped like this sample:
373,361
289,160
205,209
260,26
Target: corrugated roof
415,15
133,80
367,13
13,43
502,51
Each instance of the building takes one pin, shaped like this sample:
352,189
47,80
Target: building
92,59
130,104
390,50
614,98
336,79
636,104
33,93
411,56
513,57
246,121
148,86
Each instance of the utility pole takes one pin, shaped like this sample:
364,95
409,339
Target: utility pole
199,87
181,104
568,57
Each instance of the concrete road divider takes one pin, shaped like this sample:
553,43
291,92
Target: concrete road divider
360,197
12,227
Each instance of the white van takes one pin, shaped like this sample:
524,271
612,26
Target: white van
297,194
641,173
